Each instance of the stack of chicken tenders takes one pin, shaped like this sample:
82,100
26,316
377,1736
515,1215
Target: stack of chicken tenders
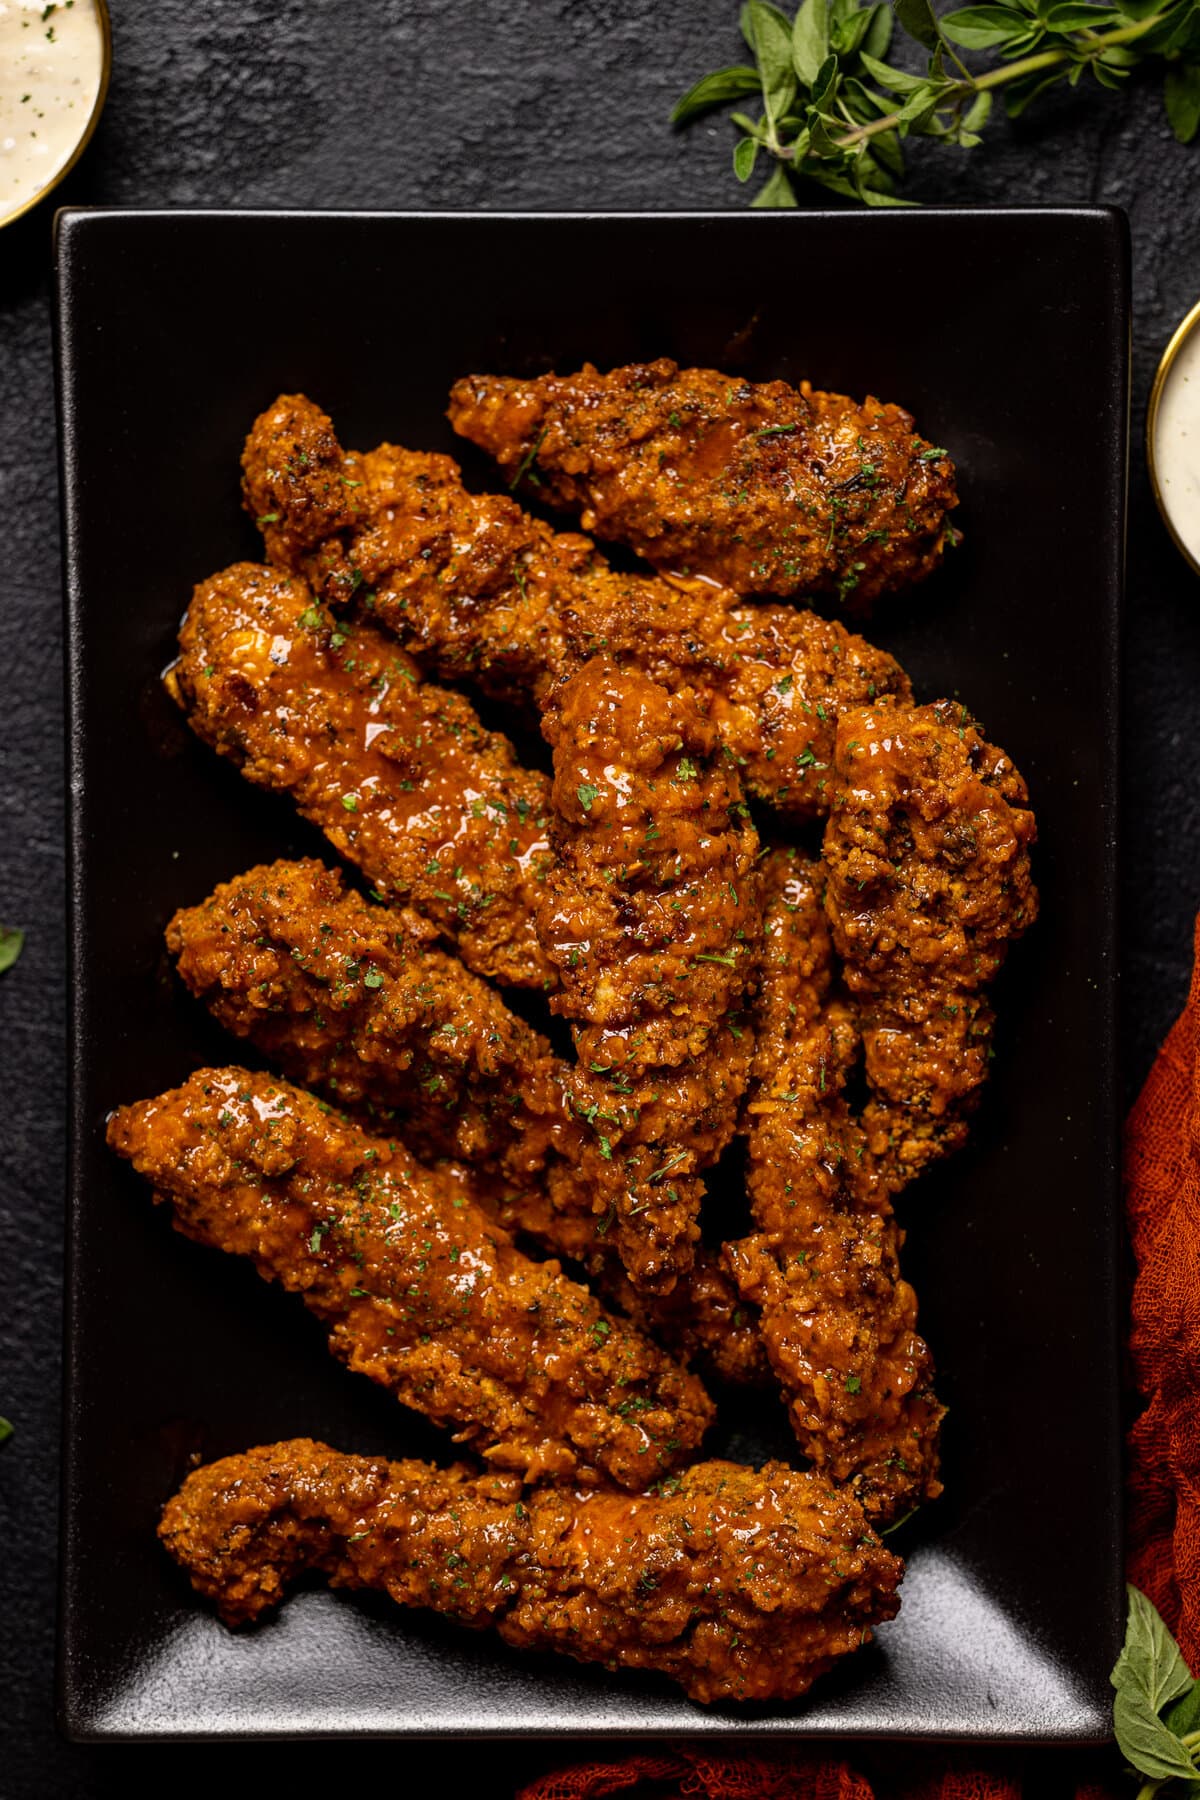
765,890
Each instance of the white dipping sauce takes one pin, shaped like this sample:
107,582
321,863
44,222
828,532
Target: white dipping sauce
51,67
1177,443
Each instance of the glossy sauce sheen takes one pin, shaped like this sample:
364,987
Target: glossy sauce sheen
838,1320
739,1584
490,595
768,488
421,1291
926,854
650,916
400,775
356,1001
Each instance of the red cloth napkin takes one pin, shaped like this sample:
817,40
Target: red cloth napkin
1162,1199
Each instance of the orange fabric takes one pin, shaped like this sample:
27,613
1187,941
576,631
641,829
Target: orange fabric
1162,1198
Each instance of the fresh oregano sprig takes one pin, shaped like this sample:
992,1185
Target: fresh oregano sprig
834,111
1156,1714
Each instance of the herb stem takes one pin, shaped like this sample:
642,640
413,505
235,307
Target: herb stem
1045,59
978,84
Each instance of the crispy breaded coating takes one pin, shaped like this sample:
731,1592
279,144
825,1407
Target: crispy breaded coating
650,918
768,488
357,1001
421,1291
704,1320
400,775
739,1584
927,853
838,1320
361,1002
485,593
300,487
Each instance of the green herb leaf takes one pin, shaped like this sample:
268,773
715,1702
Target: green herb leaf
1181,92
810,40
770,37
745,154
879,31
850,32
1151,1747
776,190
1150,1656
1078,15
1149,1674
899,81
978,112
1183,1716
715,90
755,128
586,794
919,20
6,1431
877,196
981,27
12,942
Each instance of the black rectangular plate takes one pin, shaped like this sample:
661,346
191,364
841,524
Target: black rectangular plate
1005,332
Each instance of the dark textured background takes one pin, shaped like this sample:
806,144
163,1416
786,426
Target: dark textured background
478,103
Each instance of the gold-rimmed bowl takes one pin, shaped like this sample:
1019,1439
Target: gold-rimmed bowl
1182,335
60,174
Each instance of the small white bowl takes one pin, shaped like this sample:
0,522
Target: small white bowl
23,206
1159,457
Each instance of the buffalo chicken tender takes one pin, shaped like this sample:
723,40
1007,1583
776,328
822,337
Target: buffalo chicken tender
484,593
927,858
359,1002
739,1584
650,919
420,1290
767,488
838,1320
400,775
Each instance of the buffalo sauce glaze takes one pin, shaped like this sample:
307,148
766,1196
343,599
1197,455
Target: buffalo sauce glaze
487,594
421,1291
766,487
739,1584
356,1001
650,917
400,775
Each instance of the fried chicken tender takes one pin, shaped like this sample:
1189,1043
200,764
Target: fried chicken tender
420,1290
741,1585
650,918
767,488
400,775
838,1321
927,854
485,593
357,1001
